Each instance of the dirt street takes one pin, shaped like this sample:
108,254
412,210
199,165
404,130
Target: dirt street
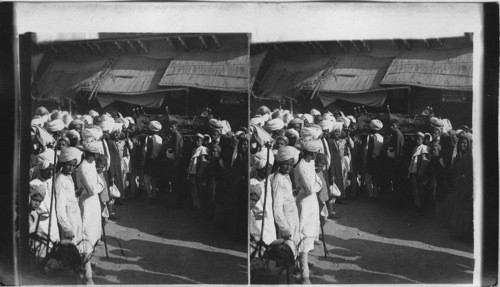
375,244
161,246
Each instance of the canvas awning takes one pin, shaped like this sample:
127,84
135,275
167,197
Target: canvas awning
286,78
354,74
255,63
449,69
375,99
62,79
212,70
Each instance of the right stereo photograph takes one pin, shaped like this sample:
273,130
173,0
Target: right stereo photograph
361,161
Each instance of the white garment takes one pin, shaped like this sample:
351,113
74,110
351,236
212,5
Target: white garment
417,151
68,212
309,182
157,142
286,214
269,227
43,225
195,156
378,140
87,178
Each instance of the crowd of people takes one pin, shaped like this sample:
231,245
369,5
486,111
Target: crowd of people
303,165
82,165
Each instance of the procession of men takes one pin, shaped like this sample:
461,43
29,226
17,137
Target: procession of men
82,165
304,165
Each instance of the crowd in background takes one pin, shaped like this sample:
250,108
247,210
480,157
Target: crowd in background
311,162
83,165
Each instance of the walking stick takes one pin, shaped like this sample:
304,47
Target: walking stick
52,195
104,239
323,239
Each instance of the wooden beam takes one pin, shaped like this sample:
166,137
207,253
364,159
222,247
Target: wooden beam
92,49
314,47
183,43
427,43
286,48
65,51
276,48
355,46
120,47
98,48
367,47
132,46
171,43
395,44
342,45
440,42
407,44
321,47
54,49
85,48
216,41
143,46
203,42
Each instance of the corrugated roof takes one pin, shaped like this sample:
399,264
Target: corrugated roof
449,69
255,62
286,78
62,78
212,70
130,75
355,74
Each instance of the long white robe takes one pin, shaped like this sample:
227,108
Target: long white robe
286,214
68,211
269,227
87,178
306,178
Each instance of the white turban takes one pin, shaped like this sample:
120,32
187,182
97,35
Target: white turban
346,121
286,153
55,126
107,124
93,113
352,119
126,123
66,118
93,146
274,124
310,144
69,154
259,159
337,126
37,121
130,119
88,119
117,127
45,159
309,118
315,112
329,117
326,125
73,133
287,117
154,126
257,120
91,132
297,121
265,118
376,125
313,131
292,132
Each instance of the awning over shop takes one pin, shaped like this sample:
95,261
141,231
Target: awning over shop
255,63
212,70
148,100
449,69
353,74
286,78
62,79
375,99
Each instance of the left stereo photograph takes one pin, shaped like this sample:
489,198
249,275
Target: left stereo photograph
133,159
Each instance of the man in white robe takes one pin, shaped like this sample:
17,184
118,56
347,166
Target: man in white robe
87,182
307,180
261,169
286,214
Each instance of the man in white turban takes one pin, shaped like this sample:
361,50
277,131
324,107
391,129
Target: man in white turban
88,119
313,131
257,120
286,214
372,158
308,183
150,156
131,120
315,112
68,210
92,132
87,184
309,118
274,125
43,181
261,169
55,127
